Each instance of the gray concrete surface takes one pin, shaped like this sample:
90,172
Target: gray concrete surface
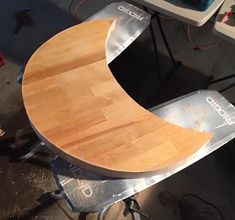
22,184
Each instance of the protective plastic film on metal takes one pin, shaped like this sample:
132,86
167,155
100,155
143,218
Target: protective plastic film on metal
203,111
130,23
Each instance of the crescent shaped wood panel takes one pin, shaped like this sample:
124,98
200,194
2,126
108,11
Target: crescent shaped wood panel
76,105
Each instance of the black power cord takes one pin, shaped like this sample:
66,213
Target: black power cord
184,211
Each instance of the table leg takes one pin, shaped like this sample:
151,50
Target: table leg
32,150
102,213
154,41
156,14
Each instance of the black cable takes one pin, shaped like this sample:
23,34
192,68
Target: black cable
202,200
155,50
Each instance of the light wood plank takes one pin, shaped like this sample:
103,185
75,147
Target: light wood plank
75,104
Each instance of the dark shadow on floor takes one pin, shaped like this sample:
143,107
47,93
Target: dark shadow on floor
212,179
29,214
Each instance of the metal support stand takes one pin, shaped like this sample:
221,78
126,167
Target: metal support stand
50,196
102,213
32,150
134,207
56,195
155,50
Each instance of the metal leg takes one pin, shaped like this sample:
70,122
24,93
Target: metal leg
32,151
56,195
50,196
156,14
102,213
154,40
156,53
134,207
20,75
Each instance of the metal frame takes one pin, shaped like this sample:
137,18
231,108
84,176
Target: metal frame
131,203
32,150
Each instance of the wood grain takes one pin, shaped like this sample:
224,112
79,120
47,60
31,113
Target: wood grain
75,104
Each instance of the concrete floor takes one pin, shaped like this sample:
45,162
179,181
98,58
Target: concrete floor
212,178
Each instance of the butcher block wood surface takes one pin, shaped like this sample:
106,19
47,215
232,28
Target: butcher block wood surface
76,106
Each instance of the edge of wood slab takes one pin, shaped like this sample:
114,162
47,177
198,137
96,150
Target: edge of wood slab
36,73
103,171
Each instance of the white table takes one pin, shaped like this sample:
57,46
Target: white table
181,11
225,30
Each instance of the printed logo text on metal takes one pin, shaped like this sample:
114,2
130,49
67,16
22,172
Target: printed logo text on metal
223,114
131,13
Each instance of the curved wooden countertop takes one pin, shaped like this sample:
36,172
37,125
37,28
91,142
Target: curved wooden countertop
75,105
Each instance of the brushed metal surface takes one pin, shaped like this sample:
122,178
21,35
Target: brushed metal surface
130,23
